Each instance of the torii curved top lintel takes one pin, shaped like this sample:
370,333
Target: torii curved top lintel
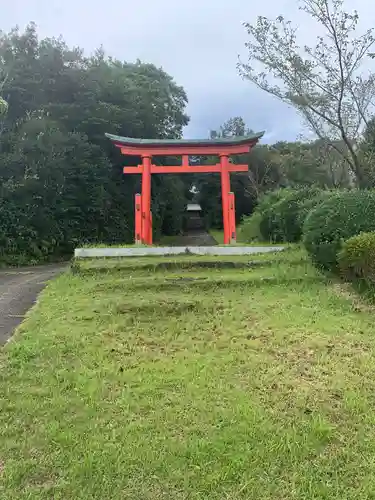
233,145
152,143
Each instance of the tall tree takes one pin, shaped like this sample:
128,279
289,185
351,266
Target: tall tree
234,127
366,150
3,106
327,82
3,103
61,180
263,174
313,163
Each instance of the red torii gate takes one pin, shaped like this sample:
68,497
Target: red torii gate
148,148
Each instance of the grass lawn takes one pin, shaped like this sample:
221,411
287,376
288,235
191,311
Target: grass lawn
191,384
175,240
184,261
218,235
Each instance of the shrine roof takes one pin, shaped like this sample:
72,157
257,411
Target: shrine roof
154,143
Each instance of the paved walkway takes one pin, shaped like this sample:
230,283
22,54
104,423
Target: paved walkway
19,289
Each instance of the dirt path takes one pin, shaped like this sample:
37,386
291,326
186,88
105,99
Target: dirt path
19,289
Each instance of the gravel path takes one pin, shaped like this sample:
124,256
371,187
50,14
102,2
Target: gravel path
19,289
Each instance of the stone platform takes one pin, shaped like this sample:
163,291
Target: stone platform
140,251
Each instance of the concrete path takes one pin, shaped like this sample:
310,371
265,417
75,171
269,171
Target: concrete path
19,288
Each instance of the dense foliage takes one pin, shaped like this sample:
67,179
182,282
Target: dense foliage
249,231
264,174
280,214
281,222
307,205
294,165
61,179
329,81
265,209
342,216
357,258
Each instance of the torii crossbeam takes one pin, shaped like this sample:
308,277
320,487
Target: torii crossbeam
149,148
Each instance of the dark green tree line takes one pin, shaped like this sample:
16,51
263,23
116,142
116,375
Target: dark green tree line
61,179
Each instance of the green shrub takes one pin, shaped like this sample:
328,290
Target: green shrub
267,227
248,230
250,227
357,258
280,215
335,220
269,199
280,221
305,206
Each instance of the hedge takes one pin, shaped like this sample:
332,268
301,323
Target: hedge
335,220
280,222
357,258
306,206
249,231
280,215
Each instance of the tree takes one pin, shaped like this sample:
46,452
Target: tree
3,106
263,175
234,127
3,102
313,163
366,150
55,190
61,180
263,172
325,83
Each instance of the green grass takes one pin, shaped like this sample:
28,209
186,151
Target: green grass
184,261
174,240
218,235
191,384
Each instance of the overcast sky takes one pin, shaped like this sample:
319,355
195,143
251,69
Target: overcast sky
197,41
